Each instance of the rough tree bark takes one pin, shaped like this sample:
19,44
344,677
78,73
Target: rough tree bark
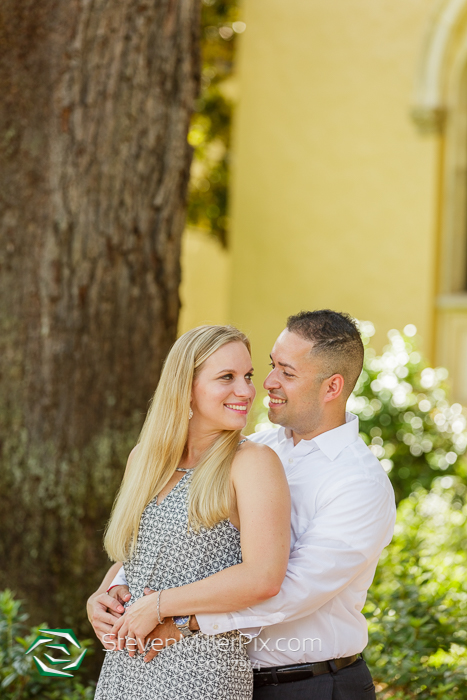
96,97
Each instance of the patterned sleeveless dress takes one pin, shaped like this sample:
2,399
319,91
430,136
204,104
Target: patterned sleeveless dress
168,555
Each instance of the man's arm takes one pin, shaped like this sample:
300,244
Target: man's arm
119,579
347,534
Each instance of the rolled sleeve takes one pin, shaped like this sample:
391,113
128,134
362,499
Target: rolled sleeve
120,578
245,622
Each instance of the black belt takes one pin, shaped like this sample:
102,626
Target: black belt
299,672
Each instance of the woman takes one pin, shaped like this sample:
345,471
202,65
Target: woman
197,500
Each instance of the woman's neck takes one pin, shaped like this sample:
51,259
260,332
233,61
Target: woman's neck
198,442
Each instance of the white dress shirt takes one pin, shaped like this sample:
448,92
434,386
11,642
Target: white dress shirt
343,515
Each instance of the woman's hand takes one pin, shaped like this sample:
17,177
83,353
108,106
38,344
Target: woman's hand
138,621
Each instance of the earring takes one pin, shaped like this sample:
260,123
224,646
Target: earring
190,414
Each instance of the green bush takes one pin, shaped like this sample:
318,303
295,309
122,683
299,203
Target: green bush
19,678
417,605
405,415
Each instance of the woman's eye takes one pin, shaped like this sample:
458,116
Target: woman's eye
227,376
249,376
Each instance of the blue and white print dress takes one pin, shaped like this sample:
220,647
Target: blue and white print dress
168,555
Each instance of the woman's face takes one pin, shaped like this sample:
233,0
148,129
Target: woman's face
223,391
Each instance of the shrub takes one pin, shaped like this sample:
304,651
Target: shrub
19,678
405,415
417,605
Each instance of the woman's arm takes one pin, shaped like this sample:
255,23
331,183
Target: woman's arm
263,507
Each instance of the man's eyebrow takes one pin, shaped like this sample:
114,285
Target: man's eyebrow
283,364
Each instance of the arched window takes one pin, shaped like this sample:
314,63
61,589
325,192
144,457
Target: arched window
441,107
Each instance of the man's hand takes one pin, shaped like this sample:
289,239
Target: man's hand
164,635
161,636
104,609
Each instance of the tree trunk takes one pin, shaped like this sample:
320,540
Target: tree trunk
96,101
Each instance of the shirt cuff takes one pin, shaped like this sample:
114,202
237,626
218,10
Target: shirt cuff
120,579
250,632
251,626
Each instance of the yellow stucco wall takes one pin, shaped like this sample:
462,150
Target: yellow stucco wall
204,290
334,196
334,190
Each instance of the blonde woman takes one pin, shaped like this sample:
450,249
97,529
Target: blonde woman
197,500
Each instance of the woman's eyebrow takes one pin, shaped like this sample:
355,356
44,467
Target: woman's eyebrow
232,371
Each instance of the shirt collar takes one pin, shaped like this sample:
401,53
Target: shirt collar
331,443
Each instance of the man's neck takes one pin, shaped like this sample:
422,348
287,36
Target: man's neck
333,422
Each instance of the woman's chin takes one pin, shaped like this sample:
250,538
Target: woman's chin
235,423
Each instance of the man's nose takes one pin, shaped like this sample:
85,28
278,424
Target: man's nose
272,381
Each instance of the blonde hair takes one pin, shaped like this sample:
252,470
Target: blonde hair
162,442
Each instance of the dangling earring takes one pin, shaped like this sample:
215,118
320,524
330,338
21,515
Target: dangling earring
190,415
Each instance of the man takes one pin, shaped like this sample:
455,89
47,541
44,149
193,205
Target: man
312,633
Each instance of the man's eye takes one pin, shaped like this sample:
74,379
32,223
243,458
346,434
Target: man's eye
288,375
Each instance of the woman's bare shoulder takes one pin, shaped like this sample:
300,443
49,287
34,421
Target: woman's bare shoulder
252,453
258,471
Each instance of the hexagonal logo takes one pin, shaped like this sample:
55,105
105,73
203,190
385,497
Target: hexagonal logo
56,636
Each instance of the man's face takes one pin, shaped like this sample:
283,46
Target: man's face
295,385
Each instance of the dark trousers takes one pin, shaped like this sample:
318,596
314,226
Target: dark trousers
351,683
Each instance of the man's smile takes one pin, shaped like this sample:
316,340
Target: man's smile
276,400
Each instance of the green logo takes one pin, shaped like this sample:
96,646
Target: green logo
45,638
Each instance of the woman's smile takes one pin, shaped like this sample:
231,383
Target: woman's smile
237,407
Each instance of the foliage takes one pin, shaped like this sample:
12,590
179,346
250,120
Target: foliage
405,415
19,678
210,132
417,605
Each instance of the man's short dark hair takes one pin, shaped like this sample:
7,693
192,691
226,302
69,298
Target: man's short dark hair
336,340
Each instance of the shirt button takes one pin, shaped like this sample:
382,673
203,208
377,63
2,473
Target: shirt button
290,460
215,627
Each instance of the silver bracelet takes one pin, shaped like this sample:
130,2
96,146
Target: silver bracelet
159,608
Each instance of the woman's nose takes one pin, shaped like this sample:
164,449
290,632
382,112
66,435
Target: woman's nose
245,389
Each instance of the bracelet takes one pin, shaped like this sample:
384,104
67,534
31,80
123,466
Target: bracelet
159,608
114,586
